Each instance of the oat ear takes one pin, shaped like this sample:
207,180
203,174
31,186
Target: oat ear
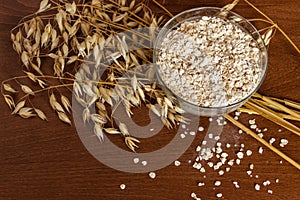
44,5
230,6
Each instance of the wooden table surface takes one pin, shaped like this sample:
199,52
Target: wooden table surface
47,160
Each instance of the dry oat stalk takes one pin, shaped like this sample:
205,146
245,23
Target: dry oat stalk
57,35
71,32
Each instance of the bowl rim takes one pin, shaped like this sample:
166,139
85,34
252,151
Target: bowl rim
264,53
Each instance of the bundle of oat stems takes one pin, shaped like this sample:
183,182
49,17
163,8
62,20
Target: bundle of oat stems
64,46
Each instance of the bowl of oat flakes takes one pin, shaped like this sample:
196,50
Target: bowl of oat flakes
211,59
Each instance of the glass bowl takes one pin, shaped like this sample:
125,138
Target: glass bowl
195,14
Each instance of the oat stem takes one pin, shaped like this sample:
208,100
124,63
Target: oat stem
259,11
262,20
278,105
262,141
22,77
119,26
251,112
267,28
137,21
162,7
287,102
288,38
139,18
64,85
290,117
281,31
48,88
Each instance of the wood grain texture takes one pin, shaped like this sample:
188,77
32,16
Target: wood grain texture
47,160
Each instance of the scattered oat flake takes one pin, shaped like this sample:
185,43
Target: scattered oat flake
210,164
152,175
193,195
270,191
251,166
266,183
219,164
221,172
223,160
272,140
200,128
219,195
252,121
240,131
218,150
236,184
276,180
144,162
253,126
231,162
218,183
200,184
177,163
258,130
257,187
182,135
136,160
248,152
197,166
283,142
260,150
122,186
224,155
192,133
202,170
240,155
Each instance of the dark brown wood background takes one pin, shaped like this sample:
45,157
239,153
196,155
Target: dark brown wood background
47,160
